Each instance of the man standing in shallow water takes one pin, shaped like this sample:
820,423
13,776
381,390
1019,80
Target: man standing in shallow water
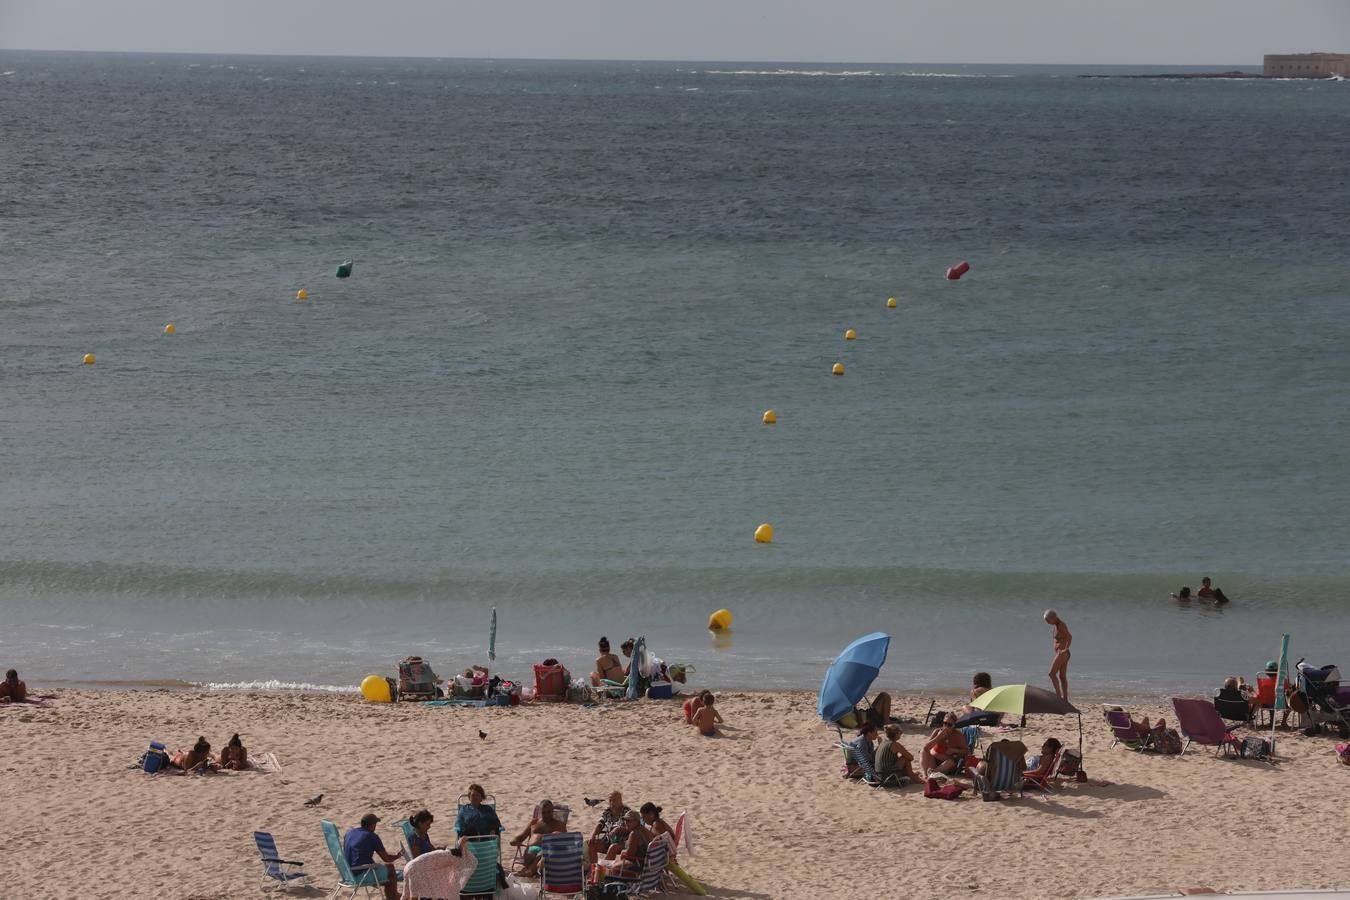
1059,667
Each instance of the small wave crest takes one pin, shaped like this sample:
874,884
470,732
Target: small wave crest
273,686
814,73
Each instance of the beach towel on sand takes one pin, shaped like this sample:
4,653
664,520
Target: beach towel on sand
438,874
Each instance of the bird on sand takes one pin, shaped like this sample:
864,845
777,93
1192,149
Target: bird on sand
314,801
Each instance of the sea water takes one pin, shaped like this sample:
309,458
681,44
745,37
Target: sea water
578,286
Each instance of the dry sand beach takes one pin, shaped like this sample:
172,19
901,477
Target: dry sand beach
772,817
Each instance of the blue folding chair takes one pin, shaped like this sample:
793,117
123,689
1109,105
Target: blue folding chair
277,872
562,872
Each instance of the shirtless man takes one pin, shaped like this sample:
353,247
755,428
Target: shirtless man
607,665
1059,667
547,823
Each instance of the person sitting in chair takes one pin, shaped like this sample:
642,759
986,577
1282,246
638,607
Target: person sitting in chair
360,845
608,831
421,840
1231,702
892,758
1039,767
946,749
544,823
865,744
627,859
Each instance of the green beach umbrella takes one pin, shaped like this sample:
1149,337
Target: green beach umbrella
1027,700
1281,674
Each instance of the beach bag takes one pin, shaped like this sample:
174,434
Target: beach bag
850,720
1167,741
1254,748
949,791
937,719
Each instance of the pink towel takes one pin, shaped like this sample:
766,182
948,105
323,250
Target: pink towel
438,874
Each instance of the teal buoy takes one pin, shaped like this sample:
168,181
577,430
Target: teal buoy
345,270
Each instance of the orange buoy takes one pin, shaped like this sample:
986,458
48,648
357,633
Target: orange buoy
956,271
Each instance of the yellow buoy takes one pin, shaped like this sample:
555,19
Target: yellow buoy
850,335
720,620
302,294
89,359
890,303
837,369
764,534
375,689
769,417
169,329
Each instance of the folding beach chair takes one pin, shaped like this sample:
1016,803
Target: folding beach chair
416,681
1200,722
870,776
1003,773
1235,712
277,872
1125,731
361,878
550,682
649,882
1067,764
560,812
406,838
562,873
486,849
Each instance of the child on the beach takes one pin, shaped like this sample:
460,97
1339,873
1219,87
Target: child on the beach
707,717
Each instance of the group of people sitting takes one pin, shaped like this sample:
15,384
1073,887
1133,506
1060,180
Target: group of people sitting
1237,696
946,752
611,671
200,759
617,846
618,843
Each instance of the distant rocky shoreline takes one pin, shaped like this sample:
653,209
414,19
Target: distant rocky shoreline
1254,76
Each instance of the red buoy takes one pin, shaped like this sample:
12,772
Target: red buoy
956,271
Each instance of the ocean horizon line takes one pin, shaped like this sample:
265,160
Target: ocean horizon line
623,61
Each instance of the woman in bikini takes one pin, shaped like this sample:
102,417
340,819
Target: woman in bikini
1059,666
234,756
607,666
946,749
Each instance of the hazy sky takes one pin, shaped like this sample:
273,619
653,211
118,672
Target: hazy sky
1202,32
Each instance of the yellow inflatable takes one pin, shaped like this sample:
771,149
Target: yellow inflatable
375,689
720,619
764,534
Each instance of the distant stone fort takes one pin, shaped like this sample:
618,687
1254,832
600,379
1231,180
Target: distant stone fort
1306,65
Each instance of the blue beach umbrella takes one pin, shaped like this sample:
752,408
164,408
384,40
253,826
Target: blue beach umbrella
637,666
851,674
